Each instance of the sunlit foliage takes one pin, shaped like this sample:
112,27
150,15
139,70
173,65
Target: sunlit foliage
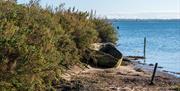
37,44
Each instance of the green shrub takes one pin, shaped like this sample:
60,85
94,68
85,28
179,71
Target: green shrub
37,44
105,30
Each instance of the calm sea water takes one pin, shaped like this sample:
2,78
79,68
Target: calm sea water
163,41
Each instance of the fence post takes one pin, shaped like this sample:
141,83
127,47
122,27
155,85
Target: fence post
144,49
153,75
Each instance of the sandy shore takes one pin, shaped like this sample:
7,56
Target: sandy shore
133,77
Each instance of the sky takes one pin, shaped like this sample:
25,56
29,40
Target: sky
143,9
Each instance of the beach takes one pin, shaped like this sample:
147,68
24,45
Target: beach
83,45
132,77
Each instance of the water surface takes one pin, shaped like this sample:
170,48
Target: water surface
163,41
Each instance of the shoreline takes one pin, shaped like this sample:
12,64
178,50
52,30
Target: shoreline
160,69
150,67
137,60
130,77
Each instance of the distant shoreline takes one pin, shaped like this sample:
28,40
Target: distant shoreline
114,20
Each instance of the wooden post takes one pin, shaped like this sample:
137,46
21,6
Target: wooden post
144,49
153,75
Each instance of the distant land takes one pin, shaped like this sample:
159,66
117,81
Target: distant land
116,20
145,15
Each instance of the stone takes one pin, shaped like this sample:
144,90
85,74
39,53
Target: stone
111,49
105,55
151,64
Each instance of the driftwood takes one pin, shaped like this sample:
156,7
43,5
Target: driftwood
128,58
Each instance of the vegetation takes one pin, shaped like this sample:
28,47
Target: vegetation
105,30
37,45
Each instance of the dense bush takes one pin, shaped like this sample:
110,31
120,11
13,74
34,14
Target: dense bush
105,30
37,44
28,49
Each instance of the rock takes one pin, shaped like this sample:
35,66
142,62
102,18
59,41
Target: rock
111,49
160,67
139,70
165,71
126,59
133,57
178,73
105,55
103,60
151,64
